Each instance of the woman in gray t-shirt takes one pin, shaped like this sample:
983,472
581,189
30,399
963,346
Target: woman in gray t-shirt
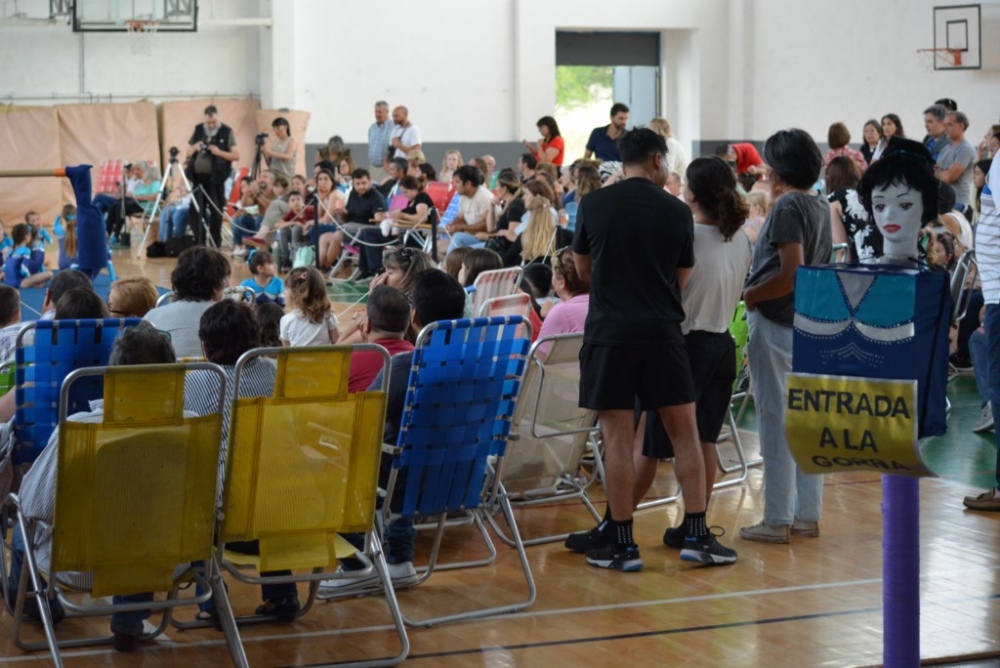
796,233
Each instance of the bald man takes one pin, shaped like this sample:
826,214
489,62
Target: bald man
406,136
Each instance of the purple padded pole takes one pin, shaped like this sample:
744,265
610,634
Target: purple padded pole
900,571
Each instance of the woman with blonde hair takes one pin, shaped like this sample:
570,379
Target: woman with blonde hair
541,234
132,297
452,160
677,157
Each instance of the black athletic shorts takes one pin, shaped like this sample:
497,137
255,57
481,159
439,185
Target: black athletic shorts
612,377
713,368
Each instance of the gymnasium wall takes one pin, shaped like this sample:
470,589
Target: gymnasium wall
481,73
852,60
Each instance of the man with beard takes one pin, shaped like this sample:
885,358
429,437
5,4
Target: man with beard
603,142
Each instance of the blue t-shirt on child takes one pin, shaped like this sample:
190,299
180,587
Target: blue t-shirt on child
274,291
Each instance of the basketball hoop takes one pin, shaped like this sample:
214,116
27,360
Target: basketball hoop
940,59
141,25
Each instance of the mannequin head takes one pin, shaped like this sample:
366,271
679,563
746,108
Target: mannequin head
900,192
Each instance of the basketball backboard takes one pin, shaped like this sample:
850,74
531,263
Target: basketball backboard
135,16
957,29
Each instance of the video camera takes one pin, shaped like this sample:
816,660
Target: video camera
261,136
173,152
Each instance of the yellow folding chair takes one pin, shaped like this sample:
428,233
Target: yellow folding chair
134,499
302,467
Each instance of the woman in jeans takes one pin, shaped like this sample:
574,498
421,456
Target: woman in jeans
796,233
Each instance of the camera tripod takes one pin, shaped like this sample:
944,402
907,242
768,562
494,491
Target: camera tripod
258,156
174,169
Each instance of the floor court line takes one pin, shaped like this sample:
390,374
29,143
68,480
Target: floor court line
171,645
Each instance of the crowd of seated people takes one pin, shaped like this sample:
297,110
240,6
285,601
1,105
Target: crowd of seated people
520,215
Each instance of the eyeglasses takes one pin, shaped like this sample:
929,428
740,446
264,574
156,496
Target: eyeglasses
405,253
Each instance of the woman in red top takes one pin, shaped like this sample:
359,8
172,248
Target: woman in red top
550,148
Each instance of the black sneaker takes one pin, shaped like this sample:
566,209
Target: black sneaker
624,559
674,537
583,542
706,550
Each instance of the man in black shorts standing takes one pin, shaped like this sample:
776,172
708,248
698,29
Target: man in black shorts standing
634,241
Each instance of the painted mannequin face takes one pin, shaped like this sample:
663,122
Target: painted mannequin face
897,209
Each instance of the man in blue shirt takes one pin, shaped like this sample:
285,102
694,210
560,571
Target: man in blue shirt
603,142
379,134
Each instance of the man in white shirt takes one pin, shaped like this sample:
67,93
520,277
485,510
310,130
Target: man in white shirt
474,202
988,259
405,136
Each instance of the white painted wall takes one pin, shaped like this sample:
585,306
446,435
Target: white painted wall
484,71
816,63
50,64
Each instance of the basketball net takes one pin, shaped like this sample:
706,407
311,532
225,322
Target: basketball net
142,25
940,59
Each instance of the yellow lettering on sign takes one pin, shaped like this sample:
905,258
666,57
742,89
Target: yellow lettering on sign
840,423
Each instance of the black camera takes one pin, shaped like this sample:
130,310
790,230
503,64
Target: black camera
174,151
261,136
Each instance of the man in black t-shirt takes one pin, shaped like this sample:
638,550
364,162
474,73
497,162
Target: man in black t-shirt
365,206
635,243
210,156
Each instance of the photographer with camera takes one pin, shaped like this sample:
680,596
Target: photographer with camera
283,151
210,155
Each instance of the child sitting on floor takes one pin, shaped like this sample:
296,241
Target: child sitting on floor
34,221
17,268
312,321
265,282
6,245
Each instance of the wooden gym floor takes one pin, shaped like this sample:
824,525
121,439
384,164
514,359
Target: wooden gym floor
815,602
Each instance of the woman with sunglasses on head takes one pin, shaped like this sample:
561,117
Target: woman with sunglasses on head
402,266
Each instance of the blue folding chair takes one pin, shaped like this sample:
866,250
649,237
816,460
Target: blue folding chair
463,388
58,348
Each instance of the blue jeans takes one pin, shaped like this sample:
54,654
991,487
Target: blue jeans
992,324
242,224
465,239
174,221
788,492
123,622
980,356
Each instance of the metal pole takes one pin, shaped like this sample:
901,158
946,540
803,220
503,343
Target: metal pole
900,571
16,173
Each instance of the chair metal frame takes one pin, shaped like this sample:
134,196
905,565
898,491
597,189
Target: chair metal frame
30,393
840,253
532,431
492,436
518,303
963,277
372,554
53,587
495,283
743,464
236,293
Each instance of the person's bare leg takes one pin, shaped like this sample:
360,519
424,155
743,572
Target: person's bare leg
619,431
710,457
689,466
699,544
645,467
36,279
